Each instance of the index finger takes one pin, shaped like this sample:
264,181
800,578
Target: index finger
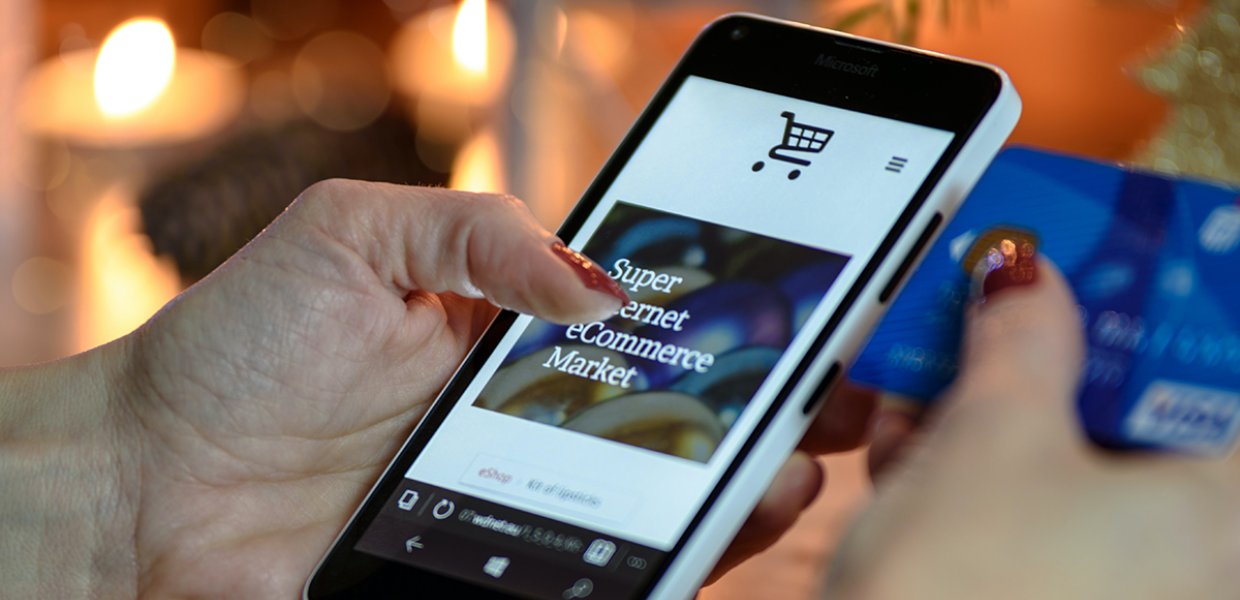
1022,357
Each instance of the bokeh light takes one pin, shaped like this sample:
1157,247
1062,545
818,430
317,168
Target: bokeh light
41,285
236,36
340,81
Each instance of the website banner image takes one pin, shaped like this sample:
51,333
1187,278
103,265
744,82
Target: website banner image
712,310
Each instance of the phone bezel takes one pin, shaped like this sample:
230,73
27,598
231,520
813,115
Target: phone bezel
781,58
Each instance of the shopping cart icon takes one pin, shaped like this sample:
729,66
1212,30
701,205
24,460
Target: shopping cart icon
799,138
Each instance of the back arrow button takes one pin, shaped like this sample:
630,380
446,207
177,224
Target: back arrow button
413,543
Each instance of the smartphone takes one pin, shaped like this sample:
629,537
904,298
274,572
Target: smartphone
760,214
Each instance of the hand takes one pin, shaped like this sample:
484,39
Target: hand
842,424
999,496
244,422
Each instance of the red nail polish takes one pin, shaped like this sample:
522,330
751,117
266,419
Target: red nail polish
591,275
1000,259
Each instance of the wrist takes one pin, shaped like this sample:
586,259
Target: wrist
65,508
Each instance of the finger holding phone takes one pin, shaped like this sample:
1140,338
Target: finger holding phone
998,493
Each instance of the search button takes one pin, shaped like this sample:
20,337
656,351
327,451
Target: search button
582,589
444,509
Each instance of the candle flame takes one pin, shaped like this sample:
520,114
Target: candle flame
122,282
134,66
477,167
469,36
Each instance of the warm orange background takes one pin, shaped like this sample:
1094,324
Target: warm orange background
1074,64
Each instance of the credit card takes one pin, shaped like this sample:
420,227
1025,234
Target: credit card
1155,265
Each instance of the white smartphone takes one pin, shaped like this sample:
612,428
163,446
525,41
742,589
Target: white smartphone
761,214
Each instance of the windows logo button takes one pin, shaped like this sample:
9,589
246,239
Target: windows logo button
600,552
496,565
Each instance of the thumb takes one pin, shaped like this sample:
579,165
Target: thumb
475,245
1023,347
1020,361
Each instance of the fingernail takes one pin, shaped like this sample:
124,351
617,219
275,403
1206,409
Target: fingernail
591,275
469,290
1002,258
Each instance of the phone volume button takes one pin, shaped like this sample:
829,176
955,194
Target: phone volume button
824,386
903,269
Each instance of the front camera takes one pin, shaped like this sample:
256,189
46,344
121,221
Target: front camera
739,33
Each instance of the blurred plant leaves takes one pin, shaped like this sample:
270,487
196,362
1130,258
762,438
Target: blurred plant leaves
902,17
858,15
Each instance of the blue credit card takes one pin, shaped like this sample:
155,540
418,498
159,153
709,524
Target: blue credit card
1154,262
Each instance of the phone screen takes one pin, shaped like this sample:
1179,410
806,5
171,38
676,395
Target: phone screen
578,456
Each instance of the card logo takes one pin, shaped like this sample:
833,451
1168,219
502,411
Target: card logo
1190,417
800,139
1220,234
